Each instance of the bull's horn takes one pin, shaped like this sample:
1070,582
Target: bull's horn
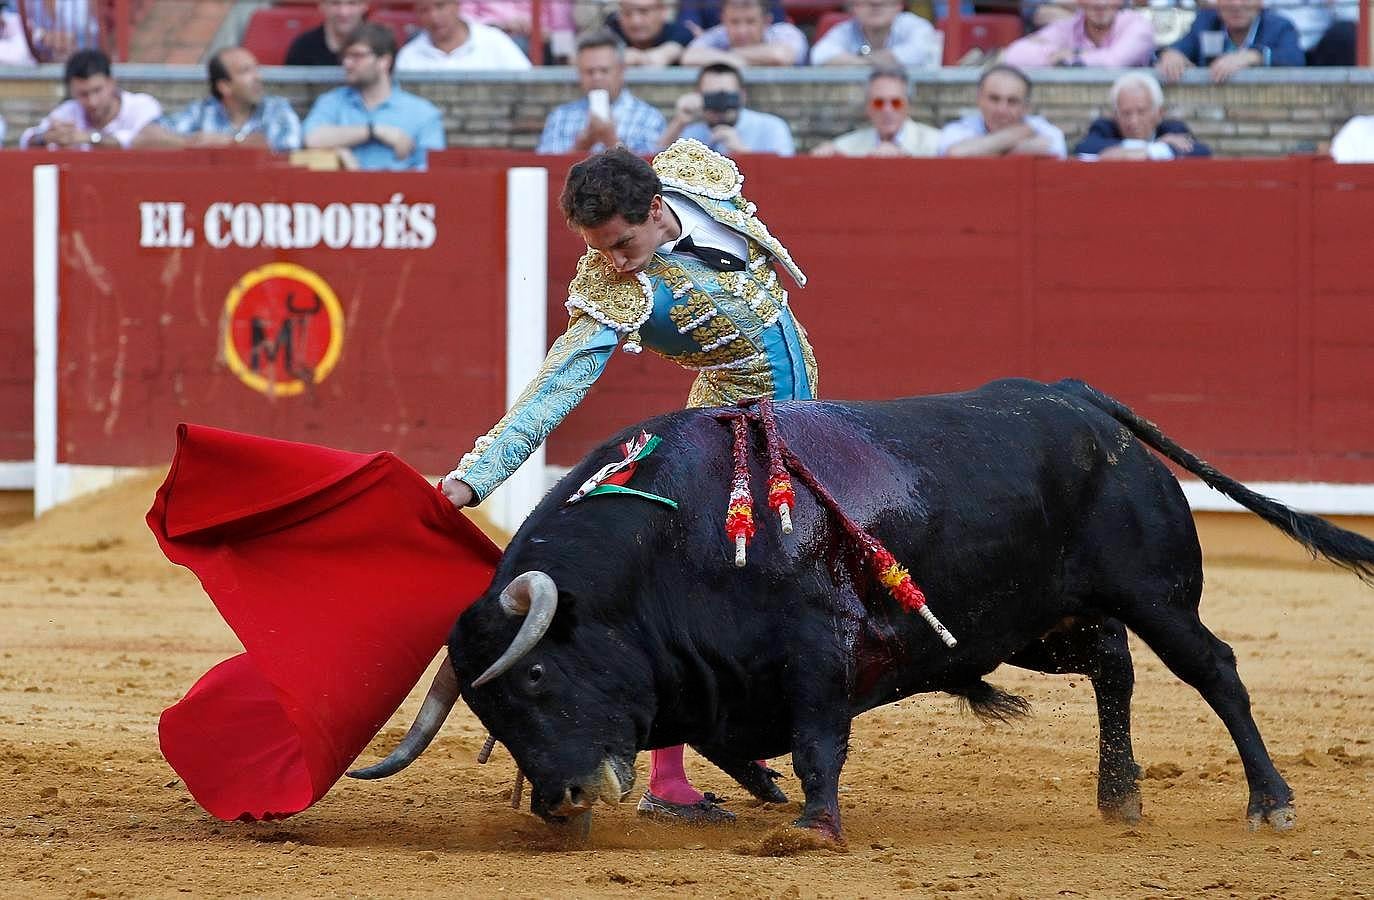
534,596
443,693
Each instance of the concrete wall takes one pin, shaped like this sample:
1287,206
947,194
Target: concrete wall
1261,113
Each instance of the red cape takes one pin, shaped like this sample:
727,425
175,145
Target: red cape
341,573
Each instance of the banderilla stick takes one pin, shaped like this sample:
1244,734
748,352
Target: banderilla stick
519,792
485,753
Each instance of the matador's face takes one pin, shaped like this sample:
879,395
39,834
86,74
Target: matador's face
628,246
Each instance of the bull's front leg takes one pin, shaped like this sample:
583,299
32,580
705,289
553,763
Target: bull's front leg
820,743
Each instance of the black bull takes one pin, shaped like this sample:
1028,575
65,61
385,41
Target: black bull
1033,516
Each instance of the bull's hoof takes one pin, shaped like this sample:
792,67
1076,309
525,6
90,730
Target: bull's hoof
825,827
1124,810
768,790
1282,818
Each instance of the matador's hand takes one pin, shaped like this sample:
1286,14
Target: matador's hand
458,492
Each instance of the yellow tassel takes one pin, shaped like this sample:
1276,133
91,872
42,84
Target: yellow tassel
893,576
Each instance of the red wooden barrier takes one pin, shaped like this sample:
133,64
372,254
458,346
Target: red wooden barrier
1227,300
346,309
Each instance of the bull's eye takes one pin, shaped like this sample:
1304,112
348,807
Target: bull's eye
536,673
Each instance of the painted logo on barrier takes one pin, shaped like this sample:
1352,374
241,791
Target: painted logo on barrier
283,329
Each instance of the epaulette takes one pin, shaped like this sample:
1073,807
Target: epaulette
622,303
691,166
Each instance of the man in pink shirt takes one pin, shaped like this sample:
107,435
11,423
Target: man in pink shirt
513,17
1101,34
99,115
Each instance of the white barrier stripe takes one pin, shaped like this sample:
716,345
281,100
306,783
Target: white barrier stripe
1319,498
527,223
45,306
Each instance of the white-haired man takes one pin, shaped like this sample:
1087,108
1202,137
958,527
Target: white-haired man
1137,128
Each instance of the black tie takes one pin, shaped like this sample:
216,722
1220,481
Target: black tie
716,259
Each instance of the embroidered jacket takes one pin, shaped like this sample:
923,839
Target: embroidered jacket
733,328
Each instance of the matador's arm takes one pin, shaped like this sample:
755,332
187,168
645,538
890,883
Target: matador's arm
572,365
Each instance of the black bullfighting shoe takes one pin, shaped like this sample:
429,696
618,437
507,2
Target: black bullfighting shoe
706,811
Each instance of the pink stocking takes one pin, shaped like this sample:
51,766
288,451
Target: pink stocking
667,778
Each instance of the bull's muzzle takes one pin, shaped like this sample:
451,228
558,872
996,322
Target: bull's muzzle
611,783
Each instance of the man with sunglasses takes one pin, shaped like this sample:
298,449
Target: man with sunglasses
891,131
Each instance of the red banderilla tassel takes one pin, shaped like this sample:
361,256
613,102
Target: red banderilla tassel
897,580
739,514
781,498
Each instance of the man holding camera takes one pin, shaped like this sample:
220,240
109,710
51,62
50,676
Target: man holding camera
607,114
715,114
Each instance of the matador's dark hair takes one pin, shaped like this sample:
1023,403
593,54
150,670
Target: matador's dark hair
614,182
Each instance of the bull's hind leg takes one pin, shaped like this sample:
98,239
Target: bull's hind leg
1193,653
754,777
1097,648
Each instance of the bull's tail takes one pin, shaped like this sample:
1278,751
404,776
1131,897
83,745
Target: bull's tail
1344,548
990,703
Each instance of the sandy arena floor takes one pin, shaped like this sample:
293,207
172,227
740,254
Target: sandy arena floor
98,633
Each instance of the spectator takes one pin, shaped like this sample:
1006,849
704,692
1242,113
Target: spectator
1100,34
236,112
879,33
1138,129
450,41
99,116
1326,30
513,17
1354,143
14,47
702,15
1236,35
577,127
59,28
3,128
321,46
715,114
370,122
891,132
1002,126
746,37
650,38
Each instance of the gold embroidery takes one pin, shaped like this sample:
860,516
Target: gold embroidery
729,386
689,165
813,374
617,301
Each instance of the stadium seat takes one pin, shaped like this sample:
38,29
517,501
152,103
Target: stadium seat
986,31
272,29
828,21
804,12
